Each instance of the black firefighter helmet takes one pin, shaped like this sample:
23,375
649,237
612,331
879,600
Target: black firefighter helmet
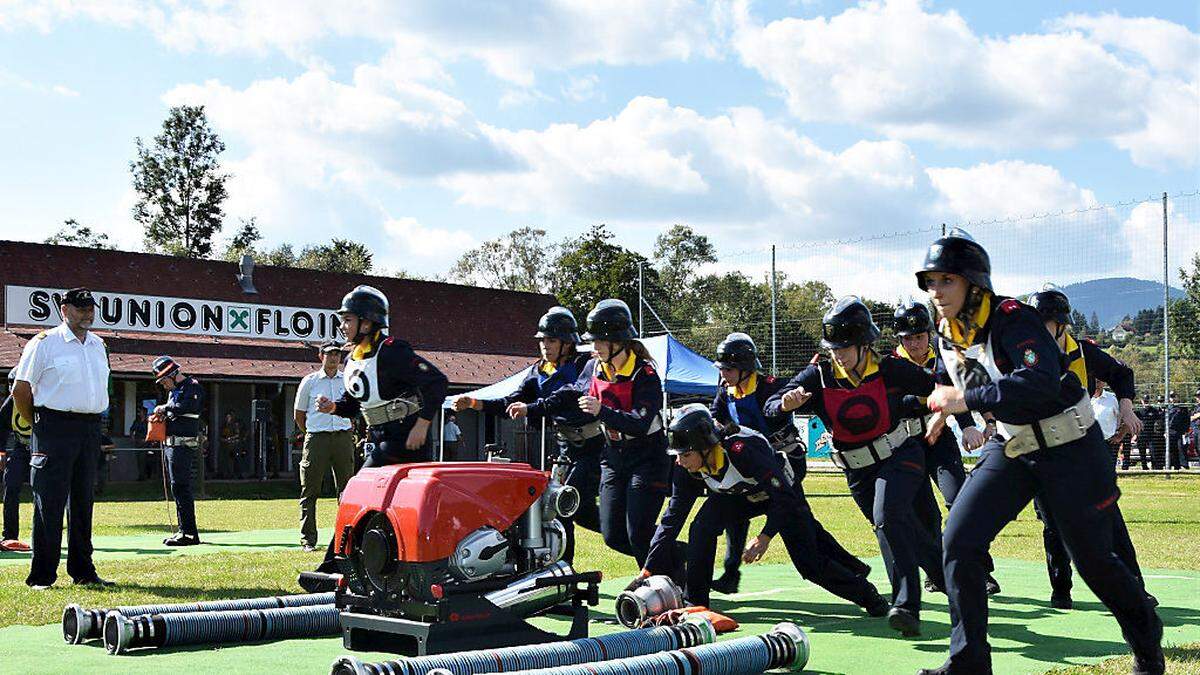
164,366
848,324
1052,304
558,323
692,429
610,320
912,318
366,302
958,253
737,350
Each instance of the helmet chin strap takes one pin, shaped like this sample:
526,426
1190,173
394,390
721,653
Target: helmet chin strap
624,348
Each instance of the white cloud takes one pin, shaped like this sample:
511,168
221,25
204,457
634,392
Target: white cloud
512,40
1006,189
654,163
12,80
916,74
429,242
580,89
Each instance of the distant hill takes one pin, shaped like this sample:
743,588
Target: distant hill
1114,298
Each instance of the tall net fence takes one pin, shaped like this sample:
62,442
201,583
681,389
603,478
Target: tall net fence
1111,260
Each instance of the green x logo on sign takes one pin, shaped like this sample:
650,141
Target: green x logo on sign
239,319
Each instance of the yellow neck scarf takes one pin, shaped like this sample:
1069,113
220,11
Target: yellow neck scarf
920,362
1076,363
364,348
716,457
749,386
626,370
960,335
868,370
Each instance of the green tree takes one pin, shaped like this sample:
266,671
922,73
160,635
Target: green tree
73,234
244,241
591,267
180,185
1185,312
340,255
1079,322
517,261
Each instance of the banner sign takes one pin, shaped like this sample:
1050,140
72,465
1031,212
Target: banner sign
30,305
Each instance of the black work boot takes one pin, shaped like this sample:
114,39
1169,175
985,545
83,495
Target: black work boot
181,539
904,621
1061,601
993,586
727,583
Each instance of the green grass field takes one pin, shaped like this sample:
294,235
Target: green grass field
1163,514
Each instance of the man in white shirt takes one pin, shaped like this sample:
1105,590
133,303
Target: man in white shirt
450,435
62,385
328,441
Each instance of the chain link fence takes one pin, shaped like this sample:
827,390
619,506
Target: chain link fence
1132,271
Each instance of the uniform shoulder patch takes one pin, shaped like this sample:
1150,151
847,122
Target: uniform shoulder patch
388,340
648,369
1030,358
737,446
1009,306
770,379
39,336
1089,340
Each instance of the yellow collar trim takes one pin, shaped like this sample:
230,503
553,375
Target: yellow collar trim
1077,365
362,349
625,370
548,367
920,362
745,388
717,457
870,369
956,332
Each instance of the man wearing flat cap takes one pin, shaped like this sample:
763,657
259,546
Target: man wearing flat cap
61,383
328,441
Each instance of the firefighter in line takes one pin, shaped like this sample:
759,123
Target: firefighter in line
181,451
745,478
997,358
620,387
745,389
867,402
579,436
943,462
1088,363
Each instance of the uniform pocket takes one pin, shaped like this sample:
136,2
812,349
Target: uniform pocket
37,460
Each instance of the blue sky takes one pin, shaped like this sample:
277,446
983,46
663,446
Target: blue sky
424,128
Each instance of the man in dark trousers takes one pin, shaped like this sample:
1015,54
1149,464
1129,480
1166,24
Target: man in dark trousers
185,400
16,429
62,385
1177,426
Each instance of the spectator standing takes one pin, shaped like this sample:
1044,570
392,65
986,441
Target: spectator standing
1177,426
62,385
14,429
451,435
233,445
328,439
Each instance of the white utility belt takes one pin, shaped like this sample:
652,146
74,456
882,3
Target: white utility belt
877,450
1069,425
390,411
578,435
183,441
615,435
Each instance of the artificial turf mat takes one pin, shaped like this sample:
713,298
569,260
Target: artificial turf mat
1027,635
138,545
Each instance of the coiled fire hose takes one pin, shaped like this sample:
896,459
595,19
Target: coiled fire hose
122,633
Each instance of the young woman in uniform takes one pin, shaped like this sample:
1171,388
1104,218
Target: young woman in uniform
579,437
997,358
866,401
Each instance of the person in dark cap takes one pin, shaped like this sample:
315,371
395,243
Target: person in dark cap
185,400
61,383
328,441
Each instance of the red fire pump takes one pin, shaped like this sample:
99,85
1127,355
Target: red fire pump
445,557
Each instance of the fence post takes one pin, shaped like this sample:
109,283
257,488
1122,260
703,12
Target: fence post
1166,335
641,301
774,284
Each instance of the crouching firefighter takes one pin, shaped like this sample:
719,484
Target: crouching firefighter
580,438
745,478
998,358
866,401
740,401
185,399
397,392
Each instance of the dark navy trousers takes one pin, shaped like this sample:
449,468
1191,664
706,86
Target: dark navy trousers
63,455
634,481
885,493
583,474
179,472
1058,561
16,474
1077,483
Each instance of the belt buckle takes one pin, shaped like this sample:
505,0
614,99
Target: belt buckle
1074,411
